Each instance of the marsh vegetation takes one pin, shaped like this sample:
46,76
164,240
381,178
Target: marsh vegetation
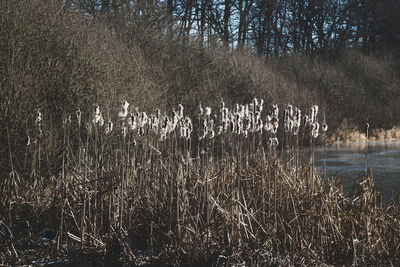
224,187
87,177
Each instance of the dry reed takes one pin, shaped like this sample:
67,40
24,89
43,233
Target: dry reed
157,189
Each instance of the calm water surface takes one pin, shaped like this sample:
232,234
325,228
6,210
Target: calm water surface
348,161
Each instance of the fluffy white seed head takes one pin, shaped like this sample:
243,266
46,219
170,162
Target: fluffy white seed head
201,111
208,111
79,116
180,111
324,127
315,129
255,102
314,113
290,110
109,127
125,104
38,117
275,110
97,117
123,112
124,131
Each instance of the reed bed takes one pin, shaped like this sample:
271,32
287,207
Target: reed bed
351,134
235,186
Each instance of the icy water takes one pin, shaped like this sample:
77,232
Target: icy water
348,161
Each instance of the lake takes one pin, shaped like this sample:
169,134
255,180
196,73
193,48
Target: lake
348,161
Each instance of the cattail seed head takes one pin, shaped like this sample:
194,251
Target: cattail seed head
200,110
109,127
180,111
79,116
208,111
314,113
38,117
275,110
324,127
315,129
123,112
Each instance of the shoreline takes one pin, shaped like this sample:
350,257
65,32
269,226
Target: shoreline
355,136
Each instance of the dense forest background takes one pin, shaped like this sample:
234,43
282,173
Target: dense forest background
60,55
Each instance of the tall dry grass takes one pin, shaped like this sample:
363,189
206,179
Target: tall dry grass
148,191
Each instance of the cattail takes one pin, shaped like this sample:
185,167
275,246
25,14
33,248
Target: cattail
291,126
208,111
132,121
155,124
143,119
65,121
260,105
314,113
245,133
109,126
170,126
220,130
242,110
97,117
79,116
290,111
296,121
286,119
315,129
123,110
211,123
211,134
225,126
189,127
38,121
38,117
259,126
200,110
255,102
250,108
101,121
124,131
275,124
180,111
275,110
245,123
306,121
224,114
189,124
267,124
324,127
163,133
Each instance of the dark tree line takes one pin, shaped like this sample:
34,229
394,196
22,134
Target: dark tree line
270,27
